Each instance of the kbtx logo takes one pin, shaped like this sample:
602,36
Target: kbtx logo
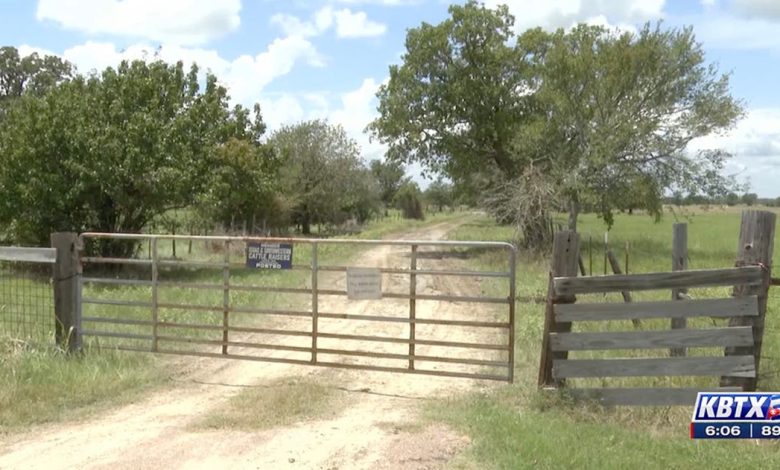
737,406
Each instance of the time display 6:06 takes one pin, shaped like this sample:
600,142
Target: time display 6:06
723,431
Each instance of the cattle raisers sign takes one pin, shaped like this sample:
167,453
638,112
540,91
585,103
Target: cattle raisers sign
269,255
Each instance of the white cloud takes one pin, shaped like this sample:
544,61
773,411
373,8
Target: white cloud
757,8
381,2
755,144
357,109
170,21
552,14
356,25
348,24
25,50
245,76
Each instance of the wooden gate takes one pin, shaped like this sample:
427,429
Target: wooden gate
639,350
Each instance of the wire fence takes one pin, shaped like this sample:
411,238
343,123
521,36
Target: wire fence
26,301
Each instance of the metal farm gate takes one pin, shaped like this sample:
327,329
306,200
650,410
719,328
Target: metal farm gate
414,306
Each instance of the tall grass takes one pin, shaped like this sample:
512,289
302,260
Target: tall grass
42,384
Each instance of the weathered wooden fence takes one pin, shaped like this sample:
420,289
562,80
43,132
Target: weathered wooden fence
737,345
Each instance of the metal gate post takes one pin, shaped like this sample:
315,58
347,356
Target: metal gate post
225,297
512,288
314,302
155,282
412,304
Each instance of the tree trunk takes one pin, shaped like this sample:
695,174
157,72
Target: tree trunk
306,225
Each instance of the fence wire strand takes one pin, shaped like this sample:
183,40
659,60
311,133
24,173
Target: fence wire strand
26,301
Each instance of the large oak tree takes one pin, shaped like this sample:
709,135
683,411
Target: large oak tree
588,115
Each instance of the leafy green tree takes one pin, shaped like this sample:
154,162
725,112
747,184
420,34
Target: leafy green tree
321,173
242,185
749,199
598,117
111,151
390,176
732,198
409,200
31,74
439,194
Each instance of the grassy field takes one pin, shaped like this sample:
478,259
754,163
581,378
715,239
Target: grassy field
39,384
518,427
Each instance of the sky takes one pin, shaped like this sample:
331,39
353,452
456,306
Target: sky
308,59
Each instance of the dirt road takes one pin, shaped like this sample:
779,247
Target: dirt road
372,432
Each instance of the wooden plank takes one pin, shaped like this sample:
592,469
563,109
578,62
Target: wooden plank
748,275
25,254
734,366
710,337
721,308
756,243
643,396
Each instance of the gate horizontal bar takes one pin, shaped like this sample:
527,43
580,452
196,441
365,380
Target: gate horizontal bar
118,282
28,254
111,334
441,373
108,260
419,321
424,342
406,357
445,298
432,272
221,309
117,321
329,241
125,303
279,347
235,329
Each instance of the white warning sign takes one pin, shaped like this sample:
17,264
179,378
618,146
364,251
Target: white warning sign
364,283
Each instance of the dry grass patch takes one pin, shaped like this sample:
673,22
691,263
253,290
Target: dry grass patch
279,403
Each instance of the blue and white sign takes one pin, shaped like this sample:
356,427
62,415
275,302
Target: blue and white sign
269,255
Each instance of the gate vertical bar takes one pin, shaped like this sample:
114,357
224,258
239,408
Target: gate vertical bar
412,304
314,302
225,297
155,282
512,288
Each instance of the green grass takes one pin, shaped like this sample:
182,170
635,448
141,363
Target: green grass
278,403
40,384
507,433
516,426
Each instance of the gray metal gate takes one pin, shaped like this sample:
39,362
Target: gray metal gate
399,310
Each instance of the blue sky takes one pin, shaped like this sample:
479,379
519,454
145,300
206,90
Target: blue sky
303,59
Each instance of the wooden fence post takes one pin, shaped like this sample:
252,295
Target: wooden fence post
565,257
679,263
756,243
67,271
